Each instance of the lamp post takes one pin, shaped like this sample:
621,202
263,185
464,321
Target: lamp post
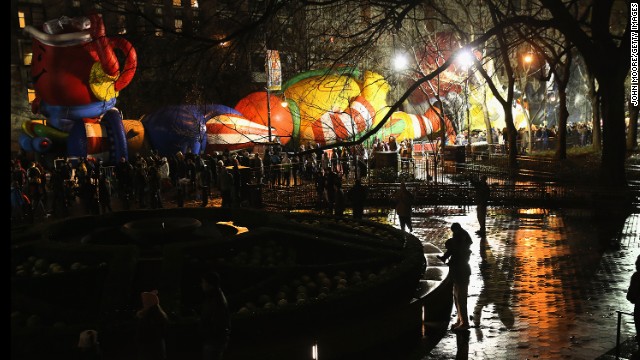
527,60
399,65
269,113
465,60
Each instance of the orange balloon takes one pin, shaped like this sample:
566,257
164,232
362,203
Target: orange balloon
254,108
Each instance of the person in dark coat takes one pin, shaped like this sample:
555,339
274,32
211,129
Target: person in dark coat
124,179
339,201
633,295
483,193
89,346
104,194
152,328
225,182
155,186
404,201
215,325
458,253
205,184
358,195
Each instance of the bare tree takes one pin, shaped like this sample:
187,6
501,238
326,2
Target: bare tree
356,33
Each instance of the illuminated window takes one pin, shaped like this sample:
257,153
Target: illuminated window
21,19
31,95
177,3
159,32
158,11
27,58
194,4
178,25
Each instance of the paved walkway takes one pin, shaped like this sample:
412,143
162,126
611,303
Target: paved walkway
544,285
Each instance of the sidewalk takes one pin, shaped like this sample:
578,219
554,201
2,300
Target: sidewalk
543,284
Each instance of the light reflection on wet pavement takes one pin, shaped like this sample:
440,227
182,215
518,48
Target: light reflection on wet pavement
544,285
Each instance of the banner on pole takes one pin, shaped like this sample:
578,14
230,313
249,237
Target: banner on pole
274,72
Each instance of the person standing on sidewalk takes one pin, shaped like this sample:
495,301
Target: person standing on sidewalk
404,201
483,192
225,182
358,195
205,184
215,325
633,295
458,253
152,327
104,194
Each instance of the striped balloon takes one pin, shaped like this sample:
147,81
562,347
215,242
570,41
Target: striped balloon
402,125
353,122
99,145
234,132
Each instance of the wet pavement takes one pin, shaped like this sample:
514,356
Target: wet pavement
544,284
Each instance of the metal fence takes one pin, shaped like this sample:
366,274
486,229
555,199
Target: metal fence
436,181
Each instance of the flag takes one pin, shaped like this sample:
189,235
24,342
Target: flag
274,72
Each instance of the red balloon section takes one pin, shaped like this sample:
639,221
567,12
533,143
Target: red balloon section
254,108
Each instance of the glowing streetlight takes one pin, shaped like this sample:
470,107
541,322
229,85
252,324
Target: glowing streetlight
465,59
400,62
527,60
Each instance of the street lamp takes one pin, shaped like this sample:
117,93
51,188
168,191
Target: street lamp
527,60
465,60
399,63
269,114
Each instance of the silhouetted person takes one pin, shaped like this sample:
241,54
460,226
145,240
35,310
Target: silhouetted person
358,195
155,185
458,253
321,183
404,200
633,295
89,346
339,201
214,318
152,328
483,192
205,184
225,182
124,180
104,194
60,208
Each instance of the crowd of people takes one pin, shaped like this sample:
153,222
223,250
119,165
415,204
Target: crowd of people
88,186
578,134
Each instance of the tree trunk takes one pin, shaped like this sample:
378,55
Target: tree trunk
596,136
487,118
632,129
512,135
612,166
563,115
